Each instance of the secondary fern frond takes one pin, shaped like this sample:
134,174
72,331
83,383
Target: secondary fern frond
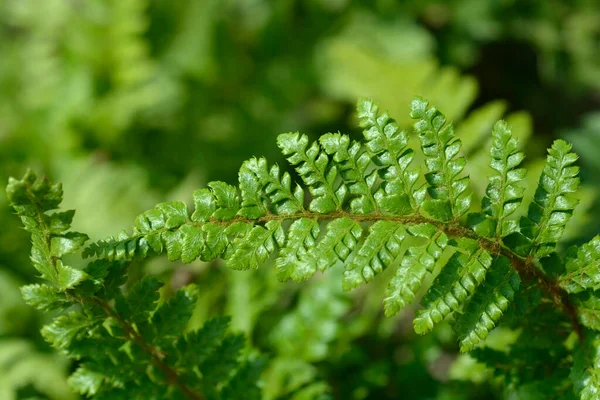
128,345
32,198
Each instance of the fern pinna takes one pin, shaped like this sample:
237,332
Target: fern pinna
371,206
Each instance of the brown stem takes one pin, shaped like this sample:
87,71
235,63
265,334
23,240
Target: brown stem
525,267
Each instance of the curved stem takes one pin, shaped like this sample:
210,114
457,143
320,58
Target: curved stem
525,267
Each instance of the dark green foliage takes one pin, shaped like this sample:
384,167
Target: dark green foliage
368,211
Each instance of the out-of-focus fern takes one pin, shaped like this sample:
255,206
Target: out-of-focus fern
494,263
23,369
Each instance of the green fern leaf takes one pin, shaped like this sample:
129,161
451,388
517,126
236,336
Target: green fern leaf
292,261
86,382
454,285
141,300
354,164
448,193
254,248
338,243
586,369
582,267
552,205
388,146
278,190
171,318
43,297
417,262
313,166
215,241
62,331
588,309
487,305
504,192
380,249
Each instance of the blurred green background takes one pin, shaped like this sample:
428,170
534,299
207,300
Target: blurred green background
132,102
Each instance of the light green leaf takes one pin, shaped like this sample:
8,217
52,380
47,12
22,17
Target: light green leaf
227,200
192,243
553,203
449,195
455,283
416,264
378,252
204,205
582,267
61,332
256,246
488,304
67,243
313,166
293,261
43,297
86,382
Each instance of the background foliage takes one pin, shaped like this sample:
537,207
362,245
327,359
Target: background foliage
101,94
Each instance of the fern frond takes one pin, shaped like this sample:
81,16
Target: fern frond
448,193
316,171
353,187
380,249
340,174
293,261
388,146
255,177
552,205
416,264
504,192
582,267
353,164
486,307
457,281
